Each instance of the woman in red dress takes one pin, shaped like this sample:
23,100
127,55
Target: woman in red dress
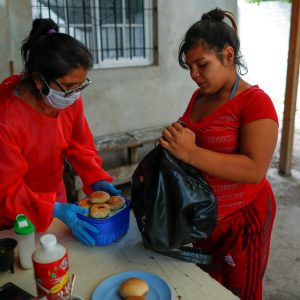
230,136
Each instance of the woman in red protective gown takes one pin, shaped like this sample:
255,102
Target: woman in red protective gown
230,136
41,123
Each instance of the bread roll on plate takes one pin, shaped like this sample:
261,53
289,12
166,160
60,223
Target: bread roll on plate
99,197
116,202
133,287
99,211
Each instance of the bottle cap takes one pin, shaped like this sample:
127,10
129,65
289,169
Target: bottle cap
48,240
22,225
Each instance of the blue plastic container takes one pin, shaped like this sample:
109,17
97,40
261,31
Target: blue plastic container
111,228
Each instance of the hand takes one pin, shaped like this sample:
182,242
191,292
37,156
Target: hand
67,213
180,141
103,185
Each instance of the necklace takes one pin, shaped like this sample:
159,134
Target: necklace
235,86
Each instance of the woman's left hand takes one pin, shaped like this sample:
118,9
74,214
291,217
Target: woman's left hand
103,185
179,140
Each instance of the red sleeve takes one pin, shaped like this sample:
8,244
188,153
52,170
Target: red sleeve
15,196
82,152
258,106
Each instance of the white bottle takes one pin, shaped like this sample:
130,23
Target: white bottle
51,268
26,240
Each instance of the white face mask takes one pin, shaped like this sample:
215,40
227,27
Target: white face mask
57,100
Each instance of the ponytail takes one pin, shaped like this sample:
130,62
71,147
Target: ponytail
52,54
40,28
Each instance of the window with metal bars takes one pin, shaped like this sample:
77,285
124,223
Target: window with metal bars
117,32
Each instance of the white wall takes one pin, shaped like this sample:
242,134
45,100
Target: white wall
5,49
15,24
124,98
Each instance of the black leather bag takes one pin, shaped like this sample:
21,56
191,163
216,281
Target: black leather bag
173,205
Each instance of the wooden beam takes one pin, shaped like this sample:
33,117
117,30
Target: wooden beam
12,67
286,147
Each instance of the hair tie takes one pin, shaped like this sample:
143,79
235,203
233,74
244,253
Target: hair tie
52,30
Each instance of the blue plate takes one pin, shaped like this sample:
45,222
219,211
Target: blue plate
108,289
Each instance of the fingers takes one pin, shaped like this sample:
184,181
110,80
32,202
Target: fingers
166,135
114,192
82,210
88,241
88,227
164,143
179,125
169,135
106,186
81,234
172,130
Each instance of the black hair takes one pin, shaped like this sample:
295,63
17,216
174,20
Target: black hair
215,33
52,54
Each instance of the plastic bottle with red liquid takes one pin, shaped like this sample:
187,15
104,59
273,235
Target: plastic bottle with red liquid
51,269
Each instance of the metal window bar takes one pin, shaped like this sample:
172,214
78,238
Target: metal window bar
66,18
57,19
130,29
144,42
48,6
84,21
116,30
101,35
96,33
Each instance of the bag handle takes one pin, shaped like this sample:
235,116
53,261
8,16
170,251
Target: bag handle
188,254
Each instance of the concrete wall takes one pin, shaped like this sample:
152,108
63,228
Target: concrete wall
15,24
124,98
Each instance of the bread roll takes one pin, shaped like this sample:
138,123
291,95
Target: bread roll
99,197
99,211
135,298
133,287
84,202
116,202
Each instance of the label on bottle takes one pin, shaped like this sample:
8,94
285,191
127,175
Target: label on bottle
52,279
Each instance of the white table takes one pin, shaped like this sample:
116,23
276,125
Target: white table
93,265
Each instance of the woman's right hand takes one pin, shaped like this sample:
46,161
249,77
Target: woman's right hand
67,213
179,140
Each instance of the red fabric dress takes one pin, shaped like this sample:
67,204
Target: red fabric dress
32,152
241,240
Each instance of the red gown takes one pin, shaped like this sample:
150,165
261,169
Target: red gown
241,240
32,152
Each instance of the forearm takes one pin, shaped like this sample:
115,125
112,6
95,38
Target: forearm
82,153
234,167
88,165
256,146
